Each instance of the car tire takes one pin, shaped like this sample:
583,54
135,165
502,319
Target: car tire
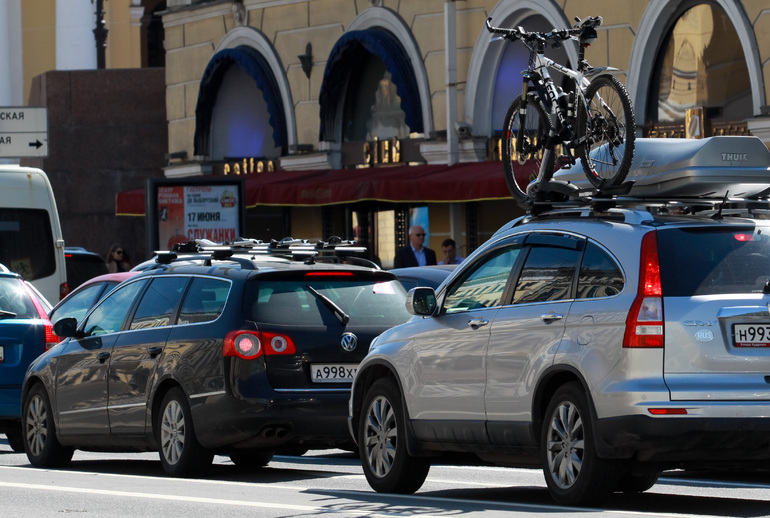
388,466
180,453
573,471
252,459
39,432
637,482
15,438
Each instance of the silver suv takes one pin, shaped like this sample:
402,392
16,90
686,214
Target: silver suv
603,344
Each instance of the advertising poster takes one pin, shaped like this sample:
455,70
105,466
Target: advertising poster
189,212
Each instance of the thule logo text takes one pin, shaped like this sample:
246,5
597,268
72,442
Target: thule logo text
735,157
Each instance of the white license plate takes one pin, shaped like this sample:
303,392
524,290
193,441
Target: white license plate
2,353
751,335
332,372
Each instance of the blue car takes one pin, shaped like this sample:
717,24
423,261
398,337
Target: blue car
25,333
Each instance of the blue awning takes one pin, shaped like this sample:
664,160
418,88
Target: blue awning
349,53
257,68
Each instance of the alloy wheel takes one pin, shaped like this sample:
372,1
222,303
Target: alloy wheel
172,432
565,444
36,425
380,436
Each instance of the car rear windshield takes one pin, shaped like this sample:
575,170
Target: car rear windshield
301,302
14,300
26,243
708,261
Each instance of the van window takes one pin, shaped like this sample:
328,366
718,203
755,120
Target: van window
26,243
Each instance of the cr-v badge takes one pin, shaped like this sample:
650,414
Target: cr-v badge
349,342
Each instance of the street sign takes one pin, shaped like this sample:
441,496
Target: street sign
23,132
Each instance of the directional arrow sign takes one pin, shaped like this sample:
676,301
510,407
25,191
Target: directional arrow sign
23,132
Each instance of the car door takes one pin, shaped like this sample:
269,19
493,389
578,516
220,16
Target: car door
136,352
81,372
449,353
526,332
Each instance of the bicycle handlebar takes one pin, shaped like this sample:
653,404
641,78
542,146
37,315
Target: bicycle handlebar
555,35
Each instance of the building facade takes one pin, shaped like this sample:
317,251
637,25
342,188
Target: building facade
264,87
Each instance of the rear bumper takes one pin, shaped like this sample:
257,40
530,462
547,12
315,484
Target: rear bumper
677,440
312,419
10,403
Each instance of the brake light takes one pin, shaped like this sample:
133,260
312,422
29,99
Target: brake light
249,344
667,411
329,274
63,290
50,338
644,324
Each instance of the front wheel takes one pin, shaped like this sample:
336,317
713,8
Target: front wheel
606,132
523,145
382,442
574,473
39,432
180,453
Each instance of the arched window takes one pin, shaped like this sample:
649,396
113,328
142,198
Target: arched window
701,65
240,109
370,77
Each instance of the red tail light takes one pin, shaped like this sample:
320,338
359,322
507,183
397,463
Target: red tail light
50,338
253,344
644,324
329,274
63,290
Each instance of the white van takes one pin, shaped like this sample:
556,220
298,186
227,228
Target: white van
31,242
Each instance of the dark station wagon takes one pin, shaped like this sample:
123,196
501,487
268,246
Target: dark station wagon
232,350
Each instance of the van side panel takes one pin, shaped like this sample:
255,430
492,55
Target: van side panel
31,241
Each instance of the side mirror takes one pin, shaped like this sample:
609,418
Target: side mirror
66,327
421,301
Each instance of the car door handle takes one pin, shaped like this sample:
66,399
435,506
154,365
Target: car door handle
550,317
478,322
102,357
154,351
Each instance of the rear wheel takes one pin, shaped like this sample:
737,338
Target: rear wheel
609,132
180,453
637,482
252,459
382,442
523,145
43,448
574,473
15,438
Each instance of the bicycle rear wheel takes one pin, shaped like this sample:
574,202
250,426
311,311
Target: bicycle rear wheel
521,162
607,128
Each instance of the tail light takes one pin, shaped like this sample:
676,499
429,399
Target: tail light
63,290
50,338
253,344
644,324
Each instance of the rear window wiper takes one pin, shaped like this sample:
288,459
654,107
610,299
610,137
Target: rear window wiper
329,303
9,314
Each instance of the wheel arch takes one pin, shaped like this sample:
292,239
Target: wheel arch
554,378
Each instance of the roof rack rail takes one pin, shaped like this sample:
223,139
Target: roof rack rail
208,251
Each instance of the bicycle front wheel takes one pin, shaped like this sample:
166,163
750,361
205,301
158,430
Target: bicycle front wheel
523,143
606,130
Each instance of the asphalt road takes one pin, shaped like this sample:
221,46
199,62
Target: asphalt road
331,482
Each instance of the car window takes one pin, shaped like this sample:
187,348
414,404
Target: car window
293,303
109,315
204,300
709,261
78,304
26,242
547,274
159,303
600,275
14,300
483,285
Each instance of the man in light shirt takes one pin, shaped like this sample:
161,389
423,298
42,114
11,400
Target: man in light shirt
449,247
415,253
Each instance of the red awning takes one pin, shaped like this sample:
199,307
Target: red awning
399,184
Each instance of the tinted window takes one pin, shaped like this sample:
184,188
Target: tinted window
483,285
26,243
293,303
547,275
83,267
600,275
709,261
204,300
79,303
14,300
159,302
109,315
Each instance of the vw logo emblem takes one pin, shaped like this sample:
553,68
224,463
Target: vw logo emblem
349,342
